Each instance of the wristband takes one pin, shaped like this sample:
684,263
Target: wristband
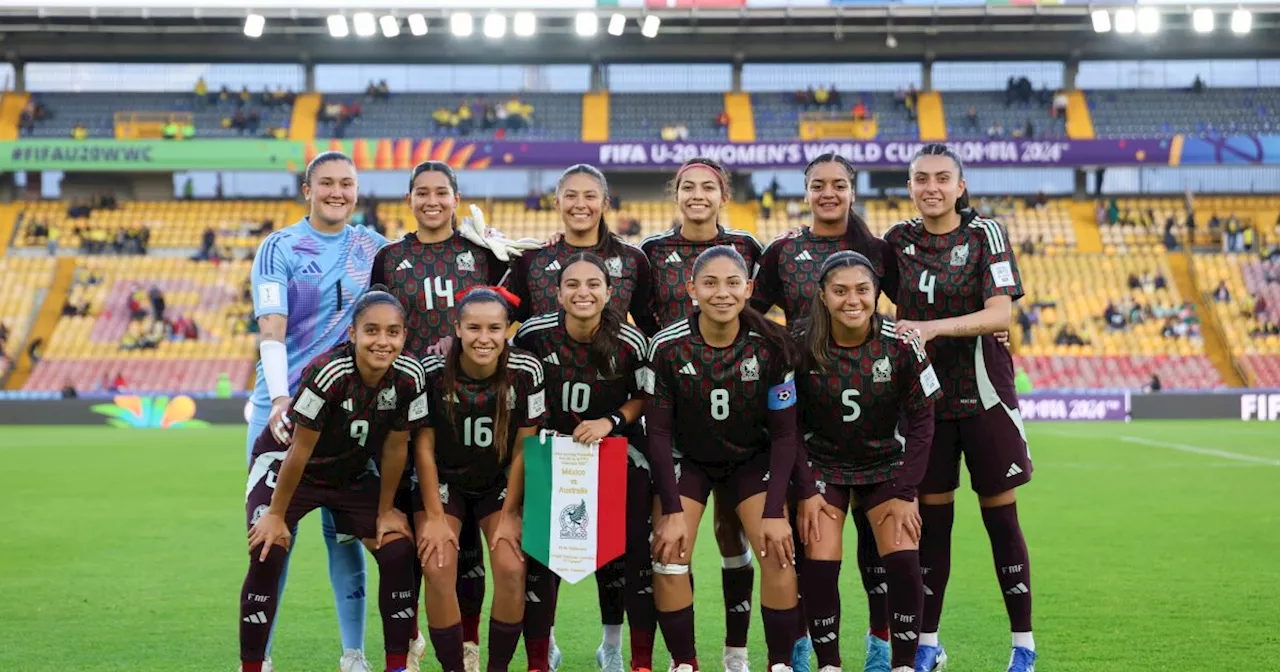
275,368
619,421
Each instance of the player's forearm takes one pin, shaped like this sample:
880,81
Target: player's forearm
632,410
272,327
274,355
802,473
395,453
428,474
295,462
919,440
782,459
991,319
661,459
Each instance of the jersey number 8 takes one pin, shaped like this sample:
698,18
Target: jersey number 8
719,404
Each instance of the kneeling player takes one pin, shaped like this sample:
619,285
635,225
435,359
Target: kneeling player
861,390
358,399
724,397
487,399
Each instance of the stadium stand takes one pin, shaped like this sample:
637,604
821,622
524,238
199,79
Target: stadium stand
556,116
1140,113
96,113
20,296
1250,284
1141,220
641,116
991,109
777,115
171,223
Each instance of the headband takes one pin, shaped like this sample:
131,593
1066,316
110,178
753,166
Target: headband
698,164
511,299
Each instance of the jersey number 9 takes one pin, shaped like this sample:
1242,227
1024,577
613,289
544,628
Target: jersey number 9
849,398
360,431
441,288
477,432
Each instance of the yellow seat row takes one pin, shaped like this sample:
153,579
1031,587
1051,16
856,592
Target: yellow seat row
22,280
1237,323
172,223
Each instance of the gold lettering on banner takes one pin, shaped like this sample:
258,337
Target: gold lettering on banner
573,491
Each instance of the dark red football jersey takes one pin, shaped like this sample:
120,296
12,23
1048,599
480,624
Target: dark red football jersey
463,419
671,258
720,396
850,410
578,390
790,268
533,279
427,279
353,418
953,275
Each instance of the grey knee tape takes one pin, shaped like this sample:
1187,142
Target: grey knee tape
670,570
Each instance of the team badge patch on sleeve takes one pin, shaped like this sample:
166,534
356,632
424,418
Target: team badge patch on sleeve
418,408
644,379
1002,274
537,404
269,295
929,381
309,404
783,395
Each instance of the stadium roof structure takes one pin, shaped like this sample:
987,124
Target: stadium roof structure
169,31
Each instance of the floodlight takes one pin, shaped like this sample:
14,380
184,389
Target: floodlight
495,25
1202,20
390,25
417,25
338,25
461,24
1241,21
1101,21
1126,21
525,24
650,26
364,24
617,24
1148,20
253,25
587,24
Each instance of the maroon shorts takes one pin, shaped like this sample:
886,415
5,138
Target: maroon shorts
994,446
354,507
866,497
740,481
465,505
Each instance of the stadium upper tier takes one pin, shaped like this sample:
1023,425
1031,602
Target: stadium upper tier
1155,112
1247,280
777,115
96,113
991,110
20,295
641,116
172,223
556,116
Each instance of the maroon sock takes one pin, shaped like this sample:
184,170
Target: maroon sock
259,597
448,645
873,577
503,638
417,594
247,666
800,563
471,628
738,585
396,597
779,633
906,600
611,592
470,581
677,632
935,559
821,582
1013,563
537,650
540,586
642,616
641,649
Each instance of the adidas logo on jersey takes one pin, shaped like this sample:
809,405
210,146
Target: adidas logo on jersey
404,265
674,258
1014,470
553,266
312,268
804,256
552,358
909,250
688,370
349,406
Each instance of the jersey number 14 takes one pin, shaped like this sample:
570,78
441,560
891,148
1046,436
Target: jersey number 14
438,288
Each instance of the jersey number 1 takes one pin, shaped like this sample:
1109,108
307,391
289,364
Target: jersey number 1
438,287
927,283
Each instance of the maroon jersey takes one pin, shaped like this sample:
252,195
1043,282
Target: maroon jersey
578,390
533,279
953,275
790,268
463,419
671,258
427,278
353,418
851,411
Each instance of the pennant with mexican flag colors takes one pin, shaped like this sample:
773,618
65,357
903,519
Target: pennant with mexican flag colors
575,501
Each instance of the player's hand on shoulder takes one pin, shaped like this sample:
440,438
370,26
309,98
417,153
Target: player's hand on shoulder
440,347
392,521
267,532
434,539
775,541
279,422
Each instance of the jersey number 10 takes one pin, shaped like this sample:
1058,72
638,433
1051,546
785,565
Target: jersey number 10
575,397
441,288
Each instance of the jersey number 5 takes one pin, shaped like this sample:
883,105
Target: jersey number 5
442,288
927,283
849,398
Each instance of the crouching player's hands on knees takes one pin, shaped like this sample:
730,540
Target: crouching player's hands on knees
775,541
392,521
671,540
434,539
269,531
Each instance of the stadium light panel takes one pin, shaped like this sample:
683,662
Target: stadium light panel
417,25
586,24
1241,21
525,24
364,24
338,25
1101,21
1126,21
390,25
495,26
253,25
650,26
1148,20
461,24
617,24
1202,20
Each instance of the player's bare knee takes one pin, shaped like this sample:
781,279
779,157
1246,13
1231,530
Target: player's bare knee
938,498
508,571
1003,499
438,577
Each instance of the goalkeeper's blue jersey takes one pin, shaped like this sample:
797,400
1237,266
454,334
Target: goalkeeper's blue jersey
313,279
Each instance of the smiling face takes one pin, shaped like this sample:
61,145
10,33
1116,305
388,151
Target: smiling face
433,201
829,192
584,291
332,192
699,195
482,330
378,335
935,185
721,288
581,202
849,294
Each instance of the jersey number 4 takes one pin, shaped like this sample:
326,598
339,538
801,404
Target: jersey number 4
927,283
438,288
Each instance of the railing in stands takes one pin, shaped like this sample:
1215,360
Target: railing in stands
148,125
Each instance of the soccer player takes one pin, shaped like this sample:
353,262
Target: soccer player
355,403
960,280
701,188
788,278
486,399
866,411
582,198
305,282
596,368
426,270
724,397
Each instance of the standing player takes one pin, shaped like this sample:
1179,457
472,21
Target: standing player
486,399
356,401
866,410
960,282
597,367
306,279
701,188
789,278
724,398
426,270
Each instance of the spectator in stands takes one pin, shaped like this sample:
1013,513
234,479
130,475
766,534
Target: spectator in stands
1159,281
1068,336
972,118
1134,281
1232,234
995,130
4,335
157,302
834,96
912,98
1221,294
1154,385
766,205
1059,108
1114,318
117,384
794,211
69,390
53,236
1025,323
1027,247
1247,238
860,111
1029,130
821,97
722,121
1198,85
79,132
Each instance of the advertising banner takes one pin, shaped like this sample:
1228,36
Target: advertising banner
1073,406
151,155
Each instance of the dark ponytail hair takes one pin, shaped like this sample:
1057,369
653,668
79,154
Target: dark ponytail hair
603,349
857,234
375,295
750,317
963,207
502,384
608,245
815,330
722,176
444,169
321,159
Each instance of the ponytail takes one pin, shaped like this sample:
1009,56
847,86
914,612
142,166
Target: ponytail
607,245
773,332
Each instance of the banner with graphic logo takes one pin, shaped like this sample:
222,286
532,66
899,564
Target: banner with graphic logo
575,501
1074,406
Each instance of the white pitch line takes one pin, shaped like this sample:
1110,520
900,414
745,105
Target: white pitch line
1202,451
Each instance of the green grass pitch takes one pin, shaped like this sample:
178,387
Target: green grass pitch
1155,546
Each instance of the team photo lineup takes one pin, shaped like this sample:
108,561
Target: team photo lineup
400,382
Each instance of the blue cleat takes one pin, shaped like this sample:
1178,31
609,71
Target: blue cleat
1022,660
877,655
801,653
930,658
554,656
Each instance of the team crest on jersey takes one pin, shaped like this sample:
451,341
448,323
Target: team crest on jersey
881,370
387,399
960,255
614,264
444,493
750,369
465,261
257,513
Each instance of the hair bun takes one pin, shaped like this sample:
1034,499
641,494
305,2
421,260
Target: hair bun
379,288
